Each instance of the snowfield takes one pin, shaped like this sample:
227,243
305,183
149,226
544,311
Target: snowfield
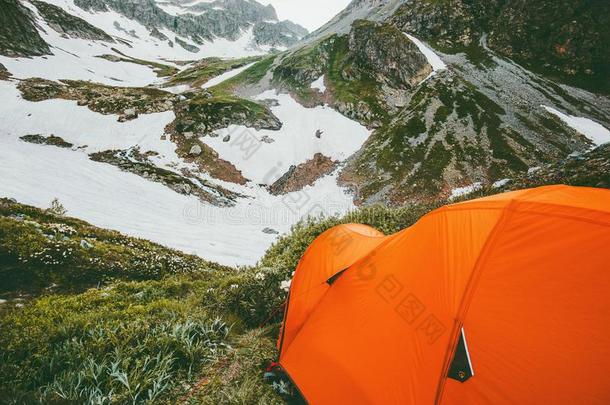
589,128
295,143
78,59
319,85
107,197
110,198
433,59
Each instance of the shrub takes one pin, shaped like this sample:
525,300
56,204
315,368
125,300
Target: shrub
133,343
57,208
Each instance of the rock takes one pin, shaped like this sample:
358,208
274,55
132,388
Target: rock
226,138
4,73
164,137
267,139
195,150
319,133
17,217
213,135
85,244
82,102
305,174
270,231
271,102
128,114
189,135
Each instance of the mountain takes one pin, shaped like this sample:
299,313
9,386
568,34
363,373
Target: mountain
19,36
564,40
206,20
189,25
460,126
178,111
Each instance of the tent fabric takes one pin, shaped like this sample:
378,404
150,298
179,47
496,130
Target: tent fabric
525,275
332,252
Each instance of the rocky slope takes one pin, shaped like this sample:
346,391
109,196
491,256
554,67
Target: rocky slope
205,21
18,32
367,73
69,25
459,126
567,40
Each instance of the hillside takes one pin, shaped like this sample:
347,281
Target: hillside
189,334
437,132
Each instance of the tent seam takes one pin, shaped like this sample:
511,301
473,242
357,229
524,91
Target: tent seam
469,293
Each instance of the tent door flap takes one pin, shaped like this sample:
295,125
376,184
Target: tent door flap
461,366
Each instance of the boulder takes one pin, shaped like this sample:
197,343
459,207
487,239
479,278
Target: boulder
270,231
85,244
267,139
195,150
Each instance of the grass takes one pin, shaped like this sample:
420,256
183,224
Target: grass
161,69
209,68
252,75
128,343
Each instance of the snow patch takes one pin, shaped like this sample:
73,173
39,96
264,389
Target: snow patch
105,196
501,183
295,143
433,59
462,191
532,170
589,128
319,84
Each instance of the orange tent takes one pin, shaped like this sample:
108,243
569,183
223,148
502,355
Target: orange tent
500,300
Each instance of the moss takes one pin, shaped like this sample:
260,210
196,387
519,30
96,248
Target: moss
503,151
441,114
98,97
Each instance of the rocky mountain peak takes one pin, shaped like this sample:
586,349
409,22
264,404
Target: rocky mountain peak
205,21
